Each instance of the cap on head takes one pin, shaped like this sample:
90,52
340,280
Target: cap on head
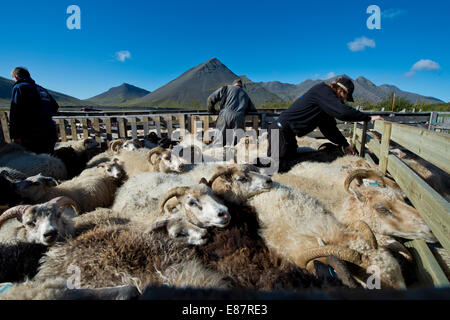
347,85
237,82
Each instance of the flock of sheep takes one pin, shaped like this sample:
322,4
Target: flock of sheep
83,223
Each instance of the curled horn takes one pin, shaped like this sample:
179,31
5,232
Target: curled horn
341,253
63,202
360,174
178,191
116,144
220,173
366,232
15,212
325,146
158,225
138,143
157,150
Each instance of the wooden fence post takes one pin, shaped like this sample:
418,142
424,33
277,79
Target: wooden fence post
363,140
385,143
73,129
353,144
85,128
97,130
134,134
108,129
62,130
433,120
122,128
157,120
5,127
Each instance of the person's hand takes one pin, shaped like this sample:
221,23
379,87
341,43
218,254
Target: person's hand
373,118
348,150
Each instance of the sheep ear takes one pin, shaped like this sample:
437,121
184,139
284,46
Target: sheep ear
204,181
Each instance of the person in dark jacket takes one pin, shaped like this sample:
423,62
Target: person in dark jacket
319,107
234,105
32,108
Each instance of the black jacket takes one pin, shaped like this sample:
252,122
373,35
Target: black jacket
318,108
32,108
236,99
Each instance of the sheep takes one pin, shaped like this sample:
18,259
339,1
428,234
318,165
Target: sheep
298,227
116,255
20,260
16,157
380,206
114,148
44,223
79,146
241,254
237,250
56,289
94,187
141,193
438,179
8,196
155,160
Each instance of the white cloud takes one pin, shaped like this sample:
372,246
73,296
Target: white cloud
423,65
123,55
360,44
392,13
426,65
330,75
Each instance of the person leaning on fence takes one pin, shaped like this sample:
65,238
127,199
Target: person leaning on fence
319,107
234,105
32,108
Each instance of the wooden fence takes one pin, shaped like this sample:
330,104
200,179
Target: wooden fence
110,127
434,209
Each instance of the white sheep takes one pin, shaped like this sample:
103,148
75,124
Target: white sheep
94,187
43,223
342,191
16,157
299,228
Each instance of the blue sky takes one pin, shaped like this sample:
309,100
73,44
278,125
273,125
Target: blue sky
288,41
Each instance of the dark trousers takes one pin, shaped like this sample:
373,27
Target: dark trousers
287,147
41,144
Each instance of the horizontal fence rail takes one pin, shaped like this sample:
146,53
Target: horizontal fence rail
434,209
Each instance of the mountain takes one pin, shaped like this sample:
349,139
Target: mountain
62,99
118,95
365,90
192,88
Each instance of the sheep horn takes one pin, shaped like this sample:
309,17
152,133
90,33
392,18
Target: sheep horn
342,253
116,144
158,225
157,150
63,202
14,212
220,173
139,144
360,174
365,230
325,146
178,191
400,249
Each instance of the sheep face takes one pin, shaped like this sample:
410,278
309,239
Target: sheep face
165,161
237,184
34,187
181,230
113,169
90,143
131,145
45,223
200,202
386,213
